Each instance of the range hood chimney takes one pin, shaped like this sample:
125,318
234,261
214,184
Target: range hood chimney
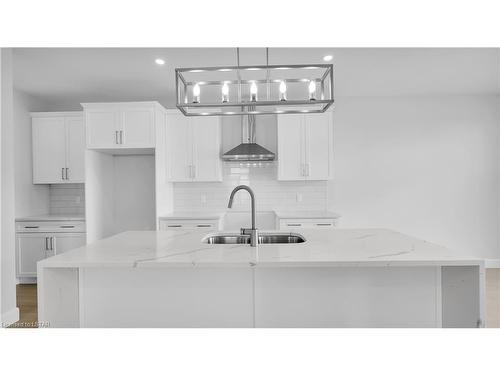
248,150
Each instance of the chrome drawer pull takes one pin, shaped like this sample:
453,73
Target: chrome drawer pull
294,225
31,227
204,225
67,226
324,224
175,226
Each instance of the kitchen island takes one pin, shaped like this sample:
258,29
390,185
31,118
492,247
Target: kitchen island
336,278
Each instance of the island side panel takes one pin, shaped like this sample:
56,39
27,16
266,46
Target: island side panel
463,296
167,297
357,297
58,297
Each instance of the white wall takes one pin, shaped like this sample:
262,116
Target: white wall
30,199
134,193
99,189
425,166
9,311
119,193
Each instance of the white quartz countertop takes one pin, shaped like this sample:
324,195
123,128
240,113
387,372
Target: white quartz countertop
335,248
193,216
50,217
306,214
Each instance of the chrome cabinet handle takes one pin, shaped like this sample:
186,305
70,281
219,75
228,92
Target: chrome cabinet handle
46,243
62,173
323,224
174,226
294,225
67,169
52,243
116,136
121,137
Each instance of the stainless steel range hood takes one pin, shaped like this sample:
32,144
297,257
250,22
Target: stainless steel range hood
249,150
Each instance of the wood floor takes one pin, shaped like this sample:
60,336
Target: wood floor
27,302
493,298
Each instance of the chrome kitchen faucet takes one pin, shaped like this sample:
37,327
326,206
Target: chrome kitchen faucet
253,232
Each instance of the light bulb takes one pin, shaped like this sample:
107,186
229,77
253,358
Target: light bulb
312,90
196,93
225,93
253,92
282,91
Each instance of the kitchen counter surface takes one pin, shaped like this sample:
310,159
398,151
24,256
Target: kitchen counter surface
338,248
306,214
50,217
195,215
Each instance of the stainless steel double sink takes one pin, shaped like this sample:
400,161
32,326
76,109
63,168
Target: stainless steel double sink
263,238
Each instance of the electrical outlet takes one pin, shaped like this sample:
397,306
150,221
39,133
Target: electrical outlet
298,197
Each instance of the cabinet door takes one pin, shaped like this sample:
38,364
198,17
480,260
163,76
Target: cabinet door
68,241
102,128
206,150
49,150
179,148
30,249
290,147
318,142
137,126
75,149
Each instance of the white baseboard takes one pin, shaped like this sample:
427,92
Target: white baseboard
492,263
10,317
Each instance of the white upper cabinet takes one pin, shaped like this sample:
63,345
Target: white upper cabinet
75,149
193,148
121,125
305,146
179,148
290,147
58,147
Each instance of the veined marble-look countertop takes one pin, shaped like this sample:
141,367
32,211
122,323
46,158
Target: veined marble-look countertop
52,217
306,214
193,215
333,248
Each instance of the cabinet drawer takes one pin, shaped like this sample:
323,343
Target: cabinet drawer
189,224
50,226
307,223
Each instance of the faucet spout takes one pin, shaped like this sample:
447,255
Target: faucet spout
253,230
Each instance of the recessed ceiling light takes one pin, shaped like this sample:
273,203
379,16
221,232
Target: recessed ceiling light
328,58
160,61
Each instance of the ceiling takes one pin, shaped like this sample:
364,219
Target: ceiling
65,77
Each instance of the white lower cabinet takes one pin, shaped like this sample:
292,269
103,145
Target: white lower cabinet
306,223
33,246
202,224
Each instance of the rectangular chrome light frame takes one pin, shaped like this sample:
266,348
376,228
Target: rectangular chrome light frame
326,90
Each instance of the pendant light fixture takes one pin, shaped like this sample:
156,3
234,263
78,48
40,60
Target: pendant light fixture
256,89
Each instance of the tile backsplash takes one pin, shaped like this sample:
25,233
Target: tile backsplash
67,199
269,192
